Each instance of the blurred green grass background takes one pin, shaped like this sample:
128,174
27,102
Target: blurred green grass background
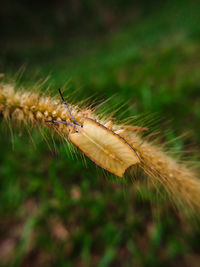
58,209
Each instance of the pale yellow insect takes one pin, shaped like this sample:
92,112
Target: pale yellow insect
102,145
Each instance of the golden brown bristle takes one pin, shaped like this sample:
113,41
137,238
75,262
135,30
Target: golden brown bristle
23,106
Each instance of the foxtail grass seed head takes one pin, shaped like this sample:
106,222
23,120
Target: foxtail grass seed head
21,106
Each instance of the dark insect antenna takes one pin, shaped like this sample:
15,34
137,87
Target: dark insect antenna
72,117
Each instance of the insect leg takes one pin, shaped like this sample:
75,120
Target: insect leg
108,125
87,112
74,120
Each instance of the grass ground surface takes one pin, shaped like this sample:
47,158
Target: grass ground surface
55,209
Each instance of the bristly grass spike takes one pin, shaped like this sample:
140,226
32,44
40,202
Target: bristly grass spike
22,106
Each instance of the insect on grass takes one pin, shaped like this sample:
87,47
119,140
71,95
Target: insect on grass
101,144
179,179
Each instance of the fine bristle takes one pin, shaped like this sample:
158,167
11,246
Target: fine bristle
28,107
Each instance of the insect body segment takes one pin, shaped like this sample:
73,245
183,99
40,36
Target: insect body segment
103,146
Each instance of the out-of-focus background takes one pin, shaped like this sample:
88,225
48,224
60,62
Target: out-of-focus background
58,211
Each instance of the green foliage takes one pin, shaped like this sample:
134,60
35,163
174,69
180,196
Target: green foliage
61,210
